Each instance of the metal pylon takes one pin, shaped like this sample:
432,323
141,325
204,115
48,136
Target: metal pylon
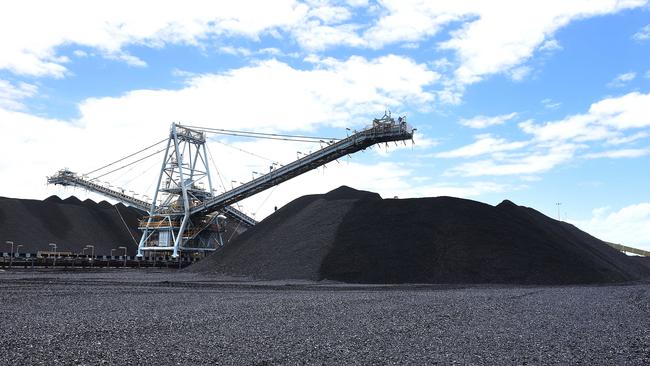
181,186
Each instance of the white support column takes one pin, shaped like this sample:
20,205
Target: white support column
145,236
186,203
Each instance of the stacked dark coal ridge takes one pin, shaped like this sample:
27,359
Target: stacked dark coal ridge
71,224
358,237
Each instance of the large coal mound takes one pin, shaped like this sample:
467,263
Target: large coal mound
71,224
358,237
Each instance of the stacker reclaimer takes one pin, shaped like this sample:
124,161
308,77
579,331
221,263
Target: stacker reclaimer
184,215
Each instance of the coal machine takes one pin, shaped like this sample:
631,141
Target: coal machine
187,214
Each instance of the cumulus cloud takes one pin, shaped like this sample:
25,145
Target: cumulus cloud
31,38
612,121
335,93
493,37
266,96
605,119
629,225
485,121
505,34
485,42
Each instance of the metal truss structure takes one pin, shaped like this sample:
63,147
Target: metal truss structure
185,214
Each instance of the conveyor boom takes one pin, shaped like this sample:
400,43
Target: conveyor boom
383,130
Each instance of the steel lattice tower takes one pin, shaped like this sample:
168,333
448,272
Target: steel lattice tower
181,186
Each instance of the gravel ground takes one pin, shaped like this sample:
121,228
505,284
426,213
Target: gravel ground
169,318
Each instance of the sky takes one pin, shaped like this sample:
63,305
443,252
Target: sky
545,103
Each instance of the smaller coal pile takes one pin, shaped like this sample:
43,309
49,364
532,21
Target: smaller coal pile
70,223
358,237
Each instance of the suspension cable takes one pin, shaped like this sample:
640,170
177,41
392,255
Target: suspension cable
262,135
246,152
126,157
129,164
215,168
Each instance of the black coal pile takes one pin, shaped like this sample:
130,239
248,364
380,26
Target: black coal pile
70,223
357,237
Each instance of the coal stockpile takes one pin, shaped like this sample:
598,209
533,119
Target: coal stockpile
71,224
357,237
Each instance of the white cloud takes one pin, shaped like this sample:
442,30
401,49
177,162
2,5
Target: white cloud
484,144
270,51
30,39
330,14
605,119
83,147
247,52
615,154
550,104
622,139
505,34
628,226
518,164
550,45
235,51
519,73
621,80
127,58
608,121
485,121
11,95
492,38
643,34
267,96
315,36
80,53
336,93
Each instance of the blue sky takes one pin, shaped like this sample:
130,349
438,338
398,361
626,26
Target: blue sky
537,102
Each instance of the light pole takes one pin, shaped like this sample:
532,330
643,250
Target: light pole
109,260
92,254
11,258
558,210
17,252
124,255
54,261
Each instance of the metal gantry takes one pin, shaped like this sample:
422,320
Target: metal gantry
188,216
181,183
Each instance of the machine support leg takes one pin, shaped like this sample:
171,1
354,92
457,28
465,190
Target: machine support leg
179,237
